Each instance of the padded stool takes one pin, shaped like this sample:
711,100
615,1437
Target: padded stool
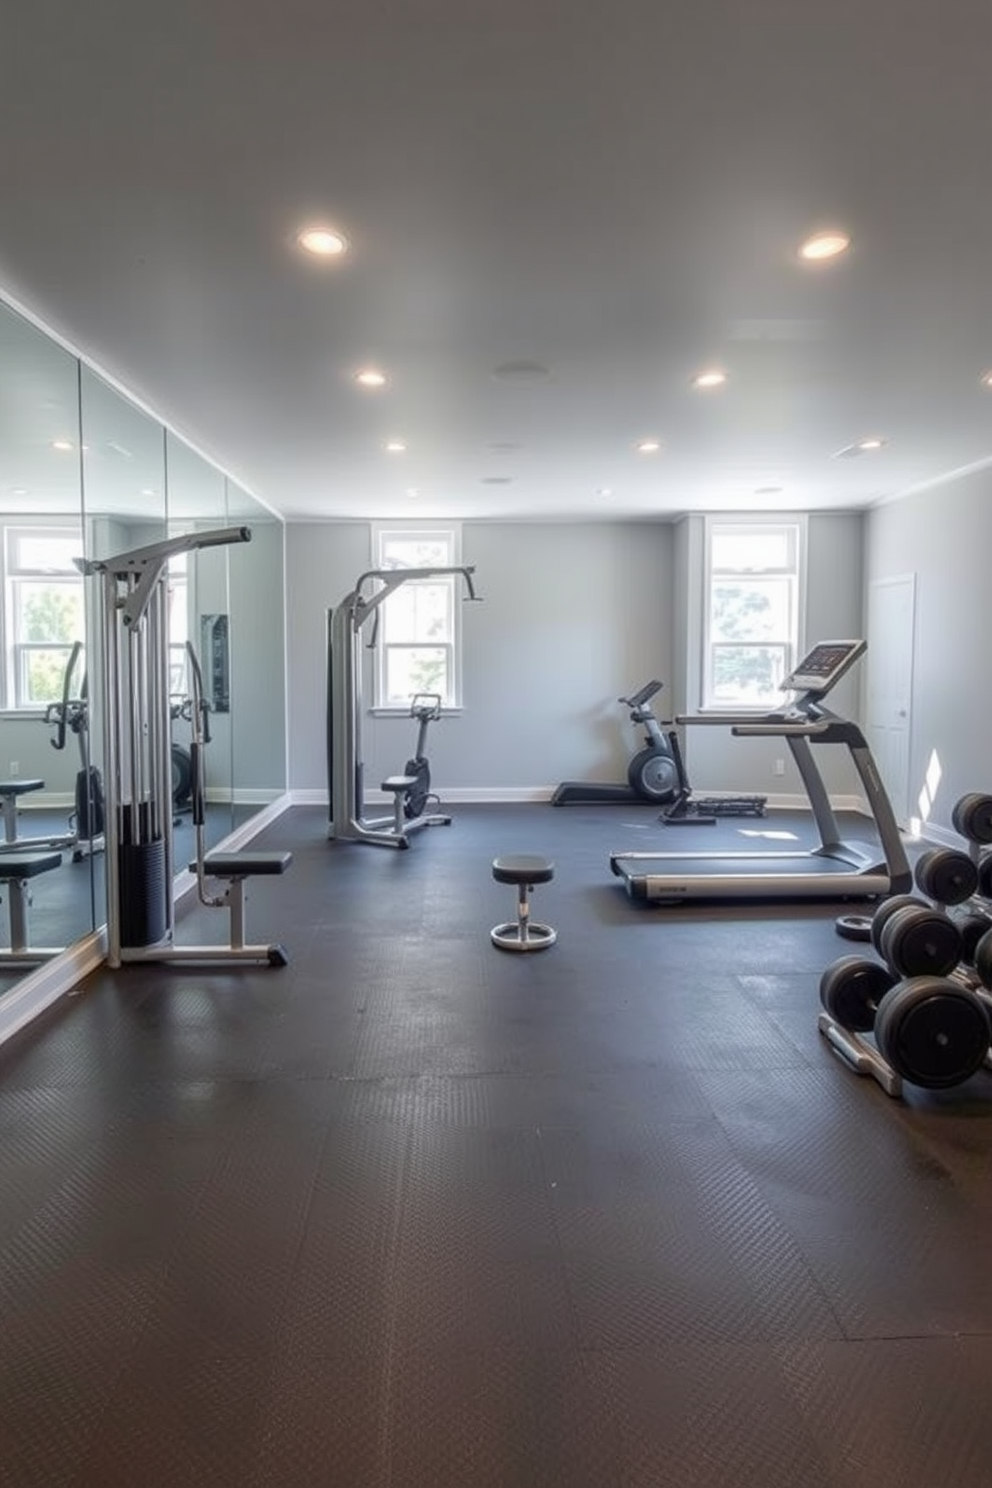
522,934
397,786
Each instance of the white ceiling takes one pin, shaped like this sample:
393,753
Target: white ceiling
612,191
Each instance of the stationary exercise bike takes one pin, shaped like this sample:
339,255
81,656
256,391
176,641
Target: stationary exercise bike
652,774
71,716
425,707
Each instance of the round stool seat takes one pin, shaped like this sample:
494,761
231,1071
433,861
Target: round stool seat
523,868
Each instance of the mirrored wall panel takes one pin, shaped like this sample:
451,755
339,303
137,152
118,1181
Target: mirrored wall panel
43,740
86,473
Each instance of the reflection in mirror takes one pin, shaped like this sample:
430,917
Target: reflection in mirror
42,535
257,656
199,615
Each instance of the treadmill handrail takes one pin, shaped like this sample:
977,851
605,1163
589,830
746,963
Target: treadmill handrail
780,730
729,720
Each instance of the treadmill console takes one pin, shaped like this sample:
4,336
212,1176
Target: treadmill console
822,668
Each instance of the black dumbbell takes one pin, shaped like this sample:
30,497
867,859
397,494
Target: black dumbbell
972,817
919,940
946,875
851,990
933,1031
886,910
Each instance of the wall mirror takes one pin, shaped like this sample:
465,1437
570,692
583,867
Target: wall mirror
86,472
43,630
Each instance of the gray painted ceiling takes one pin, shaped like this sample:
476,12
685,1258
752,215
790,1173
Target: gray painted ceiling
614,192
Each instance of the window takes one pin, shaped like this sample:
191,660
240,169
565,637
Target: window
417,643
44,611
753,573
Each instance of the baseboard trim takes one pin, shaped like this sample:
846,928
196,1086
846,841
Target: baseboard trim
521,794
29,998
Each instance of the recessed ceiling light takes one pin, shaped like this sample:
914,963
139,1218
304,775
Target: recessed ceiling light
496,480
147,491
648,446
370,377
768,490
62,445
604,491
713,377
395,447
18,490
862,447
824,245
412,491
986,379
322,242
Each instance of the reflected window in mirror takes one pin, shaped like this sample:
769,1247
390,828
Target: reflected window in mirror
43,612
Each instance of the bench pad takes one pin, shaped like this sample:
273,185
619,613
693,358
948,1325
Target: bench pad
244,864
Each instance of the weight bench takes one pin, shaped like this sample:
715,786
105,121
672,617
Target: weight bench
16,871
236,868
10,791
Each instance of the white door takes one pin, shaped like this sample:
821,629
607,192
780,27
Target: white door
891,616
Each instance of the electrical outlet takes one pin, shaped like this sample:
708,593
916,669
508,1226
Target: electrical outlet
779,767
15,769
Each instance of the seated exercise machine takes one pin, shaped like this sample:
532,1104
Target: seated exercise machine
836,869
345,768
652,774
69,715
138,775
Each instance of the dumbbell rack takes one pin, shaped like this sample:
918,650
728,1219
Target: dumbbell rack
928,1002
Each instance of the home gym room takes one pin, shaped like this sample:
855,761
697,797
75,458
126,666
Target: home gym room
309,1176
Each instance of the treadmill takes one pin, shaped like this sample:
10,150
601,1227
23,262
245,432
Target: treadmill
834,870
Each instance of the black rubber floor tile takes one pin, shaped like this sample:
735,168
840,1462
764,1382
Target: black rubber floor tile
665,1235
719,1415
63,1347
900,1413
791,1003
500,1418
897,1246
186,1411
326,1423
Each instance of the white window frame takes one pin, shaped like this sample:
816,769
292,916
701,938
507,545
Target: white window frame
14,649
450,534
794,525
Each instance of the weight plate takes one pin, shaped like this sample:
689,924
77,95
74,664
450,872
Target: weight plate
884,912
853,926
933,1032
972,817
971,928
919,941
852,988
985,876
946,875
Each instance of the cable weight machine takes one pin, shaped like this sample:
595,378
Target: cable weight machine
138,768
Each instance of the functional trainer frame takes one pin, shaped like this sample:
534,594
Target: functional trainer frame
345,770
138,768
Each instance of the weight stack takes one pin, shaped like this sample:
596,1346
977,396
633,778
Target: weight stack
141,869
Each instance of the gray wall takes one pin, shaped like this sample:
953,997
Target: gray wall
944,536
572,615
